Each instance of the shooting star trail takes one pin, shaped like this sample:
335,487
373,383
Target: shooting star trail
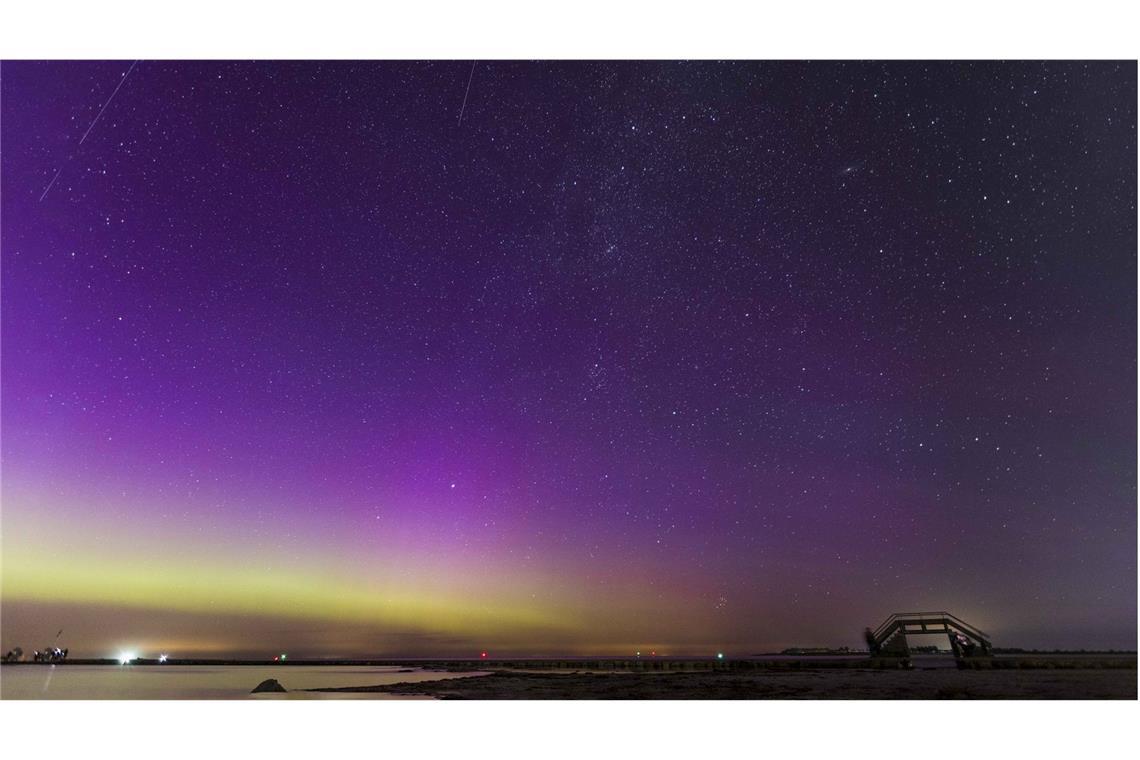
104,108
465,94
58,172
92,126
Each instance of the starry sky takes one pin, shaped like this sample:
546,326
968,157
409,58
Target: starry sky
426,358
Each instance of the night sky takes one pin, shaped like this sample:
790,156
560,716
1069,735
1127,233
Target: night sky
690,357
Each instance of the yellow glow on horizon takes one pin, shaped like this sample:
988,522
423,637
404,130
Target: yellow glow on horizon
279,593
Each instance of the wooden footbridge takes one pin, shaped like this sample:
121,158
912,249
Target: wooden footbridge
889,639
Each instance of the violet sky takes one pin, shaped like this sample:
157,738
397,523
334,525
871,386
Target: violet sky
688,356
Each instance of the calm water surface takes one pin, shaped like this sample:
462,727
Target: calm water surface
197,681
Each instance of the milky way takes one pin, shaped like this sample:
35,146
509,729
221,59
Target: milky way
689,356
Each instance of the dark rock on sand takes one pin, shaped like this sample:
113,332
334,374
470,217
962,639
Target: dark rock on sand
269,684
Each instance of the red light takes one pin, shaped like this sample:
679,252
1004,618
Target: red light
484,654
653,653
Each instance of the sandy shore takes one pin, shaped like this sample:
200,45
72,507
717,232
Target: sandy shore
816,684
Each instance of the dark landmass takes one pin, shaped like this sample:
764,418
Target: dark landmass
816,683
1018,650
269,684
816,652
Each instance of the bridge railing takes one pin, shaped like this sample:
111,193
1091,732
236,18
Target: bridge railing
899,619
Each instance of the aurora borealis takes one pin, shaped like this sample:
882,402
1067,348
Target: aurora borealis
691,357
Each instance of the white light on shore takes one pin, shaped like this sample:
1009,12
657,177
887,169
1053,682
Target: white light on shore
162,658
126,657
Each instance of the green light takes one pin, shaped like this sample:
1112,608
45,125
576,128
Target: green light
720,655
282,656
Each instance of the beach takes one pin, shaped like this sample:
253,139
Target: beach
845,683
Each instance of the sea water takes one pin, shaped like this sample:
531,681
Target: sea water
199,681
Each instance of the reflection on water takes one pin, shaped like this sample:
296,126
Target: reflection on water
196,681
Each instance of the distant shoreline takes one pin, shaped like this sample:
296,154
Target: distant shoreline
1010,659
